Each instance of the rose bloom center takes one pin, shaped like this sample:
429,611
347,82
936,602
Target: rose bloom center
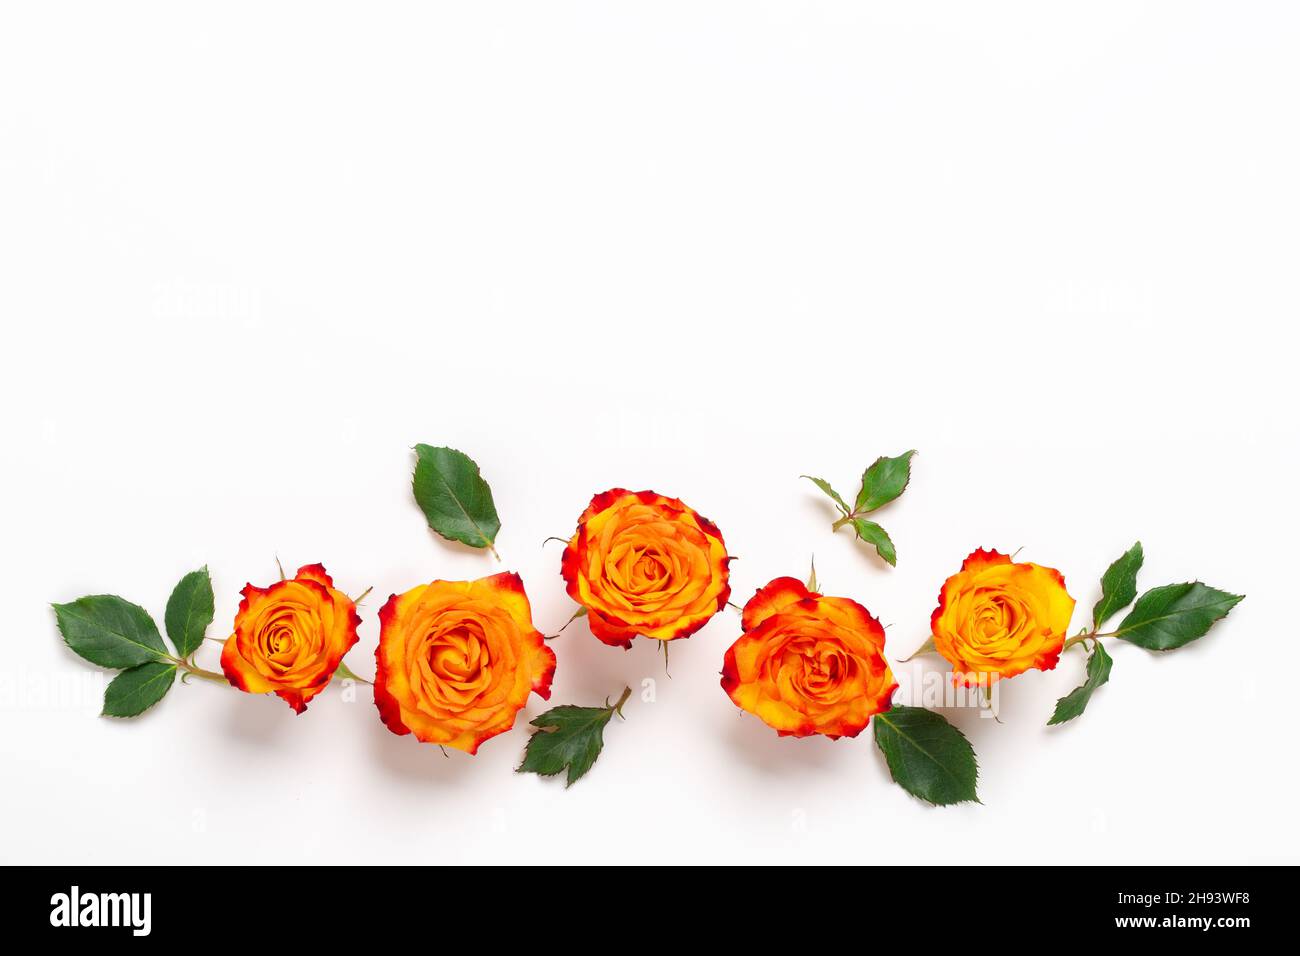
455,663
817,670
997,619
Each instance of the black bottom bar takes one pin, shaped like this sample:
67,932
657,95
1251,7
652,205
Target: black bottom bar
139,906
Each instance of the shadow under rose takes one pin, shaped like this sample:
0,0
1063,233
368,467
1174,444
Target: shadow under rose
260,719
762,748
410,759
407,758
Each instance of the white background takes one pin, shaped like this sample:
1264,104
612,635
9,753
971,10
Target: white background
251,255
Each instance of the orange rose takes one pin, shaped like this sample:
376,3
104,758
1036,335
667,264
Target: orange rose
289,638
1000,618
808,664
643,564
458,659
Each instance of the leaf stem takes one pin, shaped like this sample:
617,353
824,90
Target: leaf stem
207,675
618,708
1086,635
194,670
849,518
580,612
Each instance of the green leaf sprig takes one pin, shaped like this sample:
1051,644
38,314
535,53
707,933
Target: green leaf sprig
882,482
569,738
114,633
455,499
1164,618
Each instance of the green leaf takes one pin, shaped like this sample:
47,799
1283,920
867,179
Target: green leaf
1174,615
134,691
569,737
872,533
454,497
825,486
189,611
884,481
108,631
1072,704
927,756
1118,585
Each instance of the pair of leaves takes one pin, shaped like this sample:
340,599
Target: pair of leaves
569,738
455,499
882,482
927,756
112,632
1118,589
1164,618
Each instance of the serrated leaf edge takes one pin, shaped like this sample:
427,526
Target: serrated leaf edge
189,610
857,521
974,757
1087,678
170,673
159,655
548,728
1102,614
488,543
825,488
1236,599
909,455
